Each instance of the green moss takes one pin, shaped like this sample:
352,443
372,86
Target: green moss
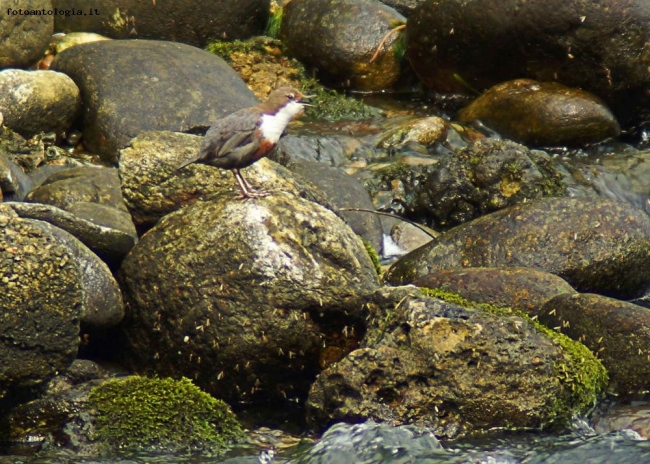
399,47
374,256
275,21
327,104
140,412
582,376
334,106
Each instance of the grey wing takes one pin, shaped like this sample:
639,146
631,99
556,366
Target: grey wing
226,137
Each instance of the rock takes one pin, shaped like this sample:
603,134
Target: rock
409,237
617,331
296,149
101,299
625,416
96,212
473,45
75,38
543,114
243,296
152,186
425,131
598,246
86,184
485,176
131,86
108,232
24,37
339,38
14,183
195,23
345,191
41,303
405,7
38,101
60,414
524,289
459,370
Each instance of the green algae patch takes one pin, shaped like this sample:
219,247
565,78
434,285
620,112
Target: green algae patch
161,413
263,65
374,256
582,377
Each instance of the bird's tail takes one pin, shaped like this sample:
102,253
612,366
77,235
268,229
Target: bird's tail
193,159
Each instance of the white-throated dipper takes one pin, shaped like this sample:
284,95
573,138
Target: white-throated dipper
247,135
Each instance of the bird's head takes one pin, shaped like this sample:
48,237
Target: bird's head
287,99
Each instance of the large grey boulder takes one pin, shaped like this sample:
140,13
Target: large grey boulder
129,86
245,297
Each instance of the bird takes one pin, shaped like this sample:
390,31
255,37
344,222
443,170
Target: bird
247,135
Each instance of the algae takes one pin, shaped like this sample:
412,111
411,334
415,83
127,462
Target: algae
581,375
374,256
161,413
265,56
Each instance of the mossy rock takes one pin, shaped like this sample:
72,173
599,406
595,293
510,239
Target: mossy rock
581,375
161,413
261,62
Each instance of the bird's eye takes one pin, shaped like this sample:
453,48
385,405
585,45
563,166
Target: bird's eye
291,96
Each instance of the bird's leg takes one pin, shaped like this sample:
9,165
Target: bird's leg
246,190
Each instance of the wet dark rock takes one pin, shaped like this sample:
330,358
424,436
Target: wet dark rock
596,46
88,203
24,37
487,175
425,131
38,101
14,183
405,7
345,191
242,296
523,289
192,22
543,114
152,186
101,299
617,331
295,149
408,237
85,184
108,232
457,370
61,414
41,302
625,416
598,246
131,86
339,37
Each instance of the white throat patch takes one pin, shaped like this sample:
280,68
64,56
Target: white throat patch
274,124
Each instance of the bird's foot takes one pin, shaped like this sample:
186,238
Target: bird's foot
254,194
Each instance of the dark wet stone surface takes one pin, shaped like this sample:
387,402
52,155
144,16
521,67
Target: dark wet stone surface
339,37
345,191
41,301
134,85
617,331
596,46
524,289
24,37
191,22
599,246
542,114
